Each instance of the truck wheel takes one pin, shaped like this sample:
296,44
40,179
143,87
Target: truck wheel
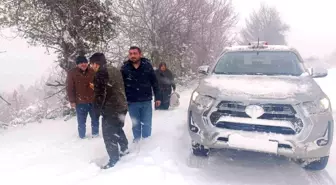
315,165
200,150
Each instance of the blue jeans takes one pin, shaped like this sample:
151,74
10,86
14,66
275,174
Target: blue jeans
82,112
141,116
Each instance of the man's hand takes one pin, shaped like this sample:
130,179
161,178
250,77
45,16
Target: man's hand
73,105
157,103
92,86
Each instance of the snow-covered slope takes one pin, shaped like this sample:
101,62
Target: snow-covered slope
50,154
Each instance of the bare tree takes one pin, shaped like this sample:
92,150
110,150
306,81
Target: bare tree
265,24
181,33
213,30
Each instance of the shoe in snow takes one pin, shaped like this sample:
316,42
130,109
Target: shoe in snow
95,135
123,153
136,141
108,165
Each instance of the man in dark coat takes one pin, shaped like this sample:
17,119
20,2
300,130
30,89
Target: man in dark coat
166,85
110,102
80,95
140,83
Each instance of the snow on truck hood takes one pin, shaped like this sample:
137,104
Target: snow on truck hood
274,87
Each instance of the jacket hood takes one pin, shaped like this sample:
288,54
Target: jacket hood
162,64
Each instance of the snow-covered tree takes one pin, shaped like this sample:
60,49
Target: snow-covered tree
36,102
65,26
265,24
183,33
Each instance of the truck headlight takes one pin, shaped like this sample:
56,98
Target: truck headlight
317,106
202,101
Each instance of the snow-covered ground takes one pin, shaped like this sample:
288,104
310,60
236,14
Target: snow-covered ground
50,153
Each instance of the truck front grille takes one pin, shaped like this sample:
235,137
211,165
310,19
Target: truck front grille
280,112
256,128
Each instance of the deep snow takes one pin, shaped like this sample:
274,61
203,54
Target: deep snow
50,153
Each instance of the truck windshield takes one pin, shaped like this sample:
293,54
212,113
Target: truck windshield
259,63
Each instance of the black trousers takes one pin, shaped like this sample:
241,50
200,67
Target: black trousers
114,135
164,98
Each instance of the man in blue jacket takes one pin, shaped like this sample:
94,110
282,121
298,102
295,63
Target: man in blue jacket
140,81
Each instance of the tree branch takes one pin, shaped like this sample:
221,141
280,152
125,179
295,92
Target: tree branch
58,84
54,94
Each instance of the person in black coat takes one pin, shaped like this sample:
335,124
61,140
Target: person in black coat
140,86
166,85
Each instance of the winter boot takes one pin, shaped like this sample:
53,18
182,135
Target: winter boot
123,153
109,165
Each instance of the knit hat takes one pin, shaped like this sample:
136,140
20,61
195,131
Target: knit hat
81,59
98,58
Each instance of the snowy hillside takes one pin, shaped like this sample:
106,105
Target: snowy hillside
49,153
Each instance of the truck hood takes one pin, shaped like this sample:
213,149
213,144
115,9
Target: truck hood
299,89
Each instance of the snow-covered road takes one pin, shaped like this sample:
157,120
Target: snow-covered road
50,153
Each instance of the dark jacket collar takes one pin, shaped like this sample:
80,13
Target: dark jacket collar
81,71
141,60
